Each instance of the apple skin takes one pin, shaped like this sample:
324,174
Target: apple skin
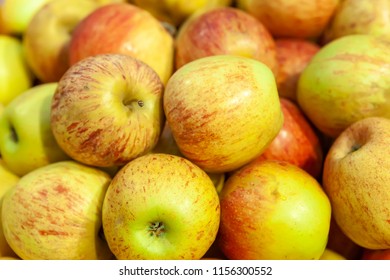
108,110
126,29
273,210
359,17
291,18
292,55
297,141
376,254
54,212
356,180
347,80
26,139
46,39
143,200
331,255
203,94
223,31
15,74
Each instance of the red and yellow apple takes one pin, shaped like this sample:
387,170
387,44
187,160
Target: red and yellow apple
376,254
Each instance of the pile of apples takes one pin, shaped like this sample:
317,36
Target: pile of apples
247,129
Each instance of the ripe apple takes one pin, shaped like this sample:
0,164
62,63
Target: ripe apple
160,206
15,75
108,110
292,55
26,139
376,254
46,39
297,142
127,29
177,11
347,80
223,111
273,210
291,18
8,181
224,30
331,255
359,17
54,212
356,178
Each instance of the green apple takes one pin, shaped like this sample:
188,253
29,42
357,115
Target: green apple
8,181
54,212
48,34
345,81
273,210
26,139
15,74
160,206
107,110
223,111
356,178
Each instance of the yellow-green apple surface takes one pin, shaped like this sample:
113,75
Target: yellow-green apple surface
18,13
223,111
176,12
15,74
224,30
108,110
127,29
273,210
356,178
160,206
359,17
46,39
291,18
345,81
54,212
26,139
8,180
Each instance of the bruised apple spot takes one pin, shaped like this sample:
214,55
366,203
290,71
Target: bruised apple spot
61,189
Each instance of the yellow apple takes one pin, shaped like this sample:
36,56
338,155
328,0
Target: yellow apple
15,75
273,210
331,255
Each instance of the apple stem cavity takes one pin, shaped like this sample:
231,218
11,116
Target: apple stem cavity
156,229
13,135
355,147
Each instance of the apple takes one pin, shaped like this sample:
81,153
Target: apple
292,56
291,18
15,74
160,206
26,139
273,210
177,11
127,29
224,30
54,212
346,81
359,17
331,255
223,111
356,179
46,39
108,110
297,141
8,180
376,254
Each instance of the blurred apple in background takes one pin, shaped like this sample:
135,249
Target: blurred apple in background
224,31
297,141
54,212
223,111
273,210
331,255
356,179
292,55
46,39
345,81
15,74
376,254
291,18
177,11
160,206
26,139
108,110
126,29
359,17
